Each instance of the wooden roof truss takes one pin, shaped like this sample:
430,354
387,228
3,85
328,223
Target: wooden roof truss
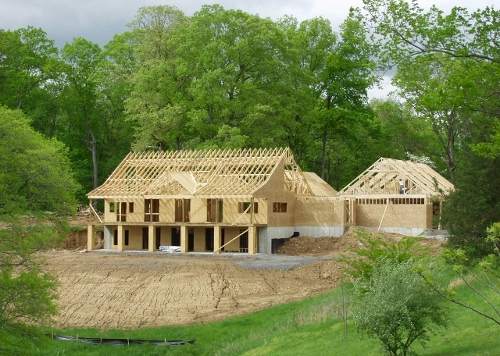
384,175
208,173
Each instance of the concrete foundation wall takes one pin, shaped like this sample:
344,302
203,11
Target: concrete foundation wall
108,242
405,231
266,234
320,231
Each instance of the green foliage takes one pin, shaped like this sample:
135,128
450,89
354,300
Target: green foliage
28,60
22,284
35,172
92,107
395,306
482,279
448,70
405,29
474,205
375,248
37,189
225,78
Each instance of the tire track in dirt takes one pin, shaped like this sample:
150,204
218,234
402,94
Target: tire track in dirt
130,290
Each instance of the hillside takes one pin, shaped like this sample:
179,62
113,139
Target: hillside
104,289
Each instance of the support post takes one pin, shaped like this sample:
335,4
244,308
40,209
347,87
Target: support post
108,237
352,214
90,237
217,239
151,238
252,240
121,240
184,239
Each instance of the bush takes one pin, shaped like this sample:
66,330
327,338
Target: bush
396,306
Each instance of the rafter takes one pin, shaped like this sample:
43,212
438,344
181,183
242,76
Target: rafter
206,173
382,178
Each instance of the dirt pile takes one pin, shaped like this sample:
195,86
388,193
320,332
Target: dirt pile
330,246
77,240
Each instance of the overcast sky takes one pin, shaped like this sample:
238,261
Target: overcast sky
99,20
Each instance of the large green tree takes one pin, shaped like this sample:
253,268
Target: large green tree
219,80
84,118
113,74
343,119
37,190
438,89
449,69
29,70
228,79
159,98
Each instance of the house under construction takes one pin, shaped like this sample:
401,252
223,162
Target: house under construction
213,200
396,196
246,200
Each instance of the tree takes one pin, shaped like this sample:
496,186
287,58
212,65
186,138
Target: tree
474,205
403,132
437,91
375,248
395,306
405,30
37,190
309,43
449,69
343,119
84,117
26,59
29,72
114,74
159,99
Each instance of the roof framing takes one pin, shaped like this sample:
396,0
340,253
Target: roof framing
384,175
202,173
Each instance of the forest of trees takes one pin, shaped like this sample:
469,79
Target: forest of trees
228,79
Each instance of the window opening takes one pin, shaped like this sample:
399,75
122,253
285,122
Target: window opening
182,210
214,210
244,207
152,210
279,207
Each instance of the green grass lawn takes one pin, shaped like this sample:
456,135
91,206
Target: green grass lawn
310,327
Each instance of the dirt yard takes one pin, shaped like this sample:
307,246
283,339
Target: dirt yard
139,289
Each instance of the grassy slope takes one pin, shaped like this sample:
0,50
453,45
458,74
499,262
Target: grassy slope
310,327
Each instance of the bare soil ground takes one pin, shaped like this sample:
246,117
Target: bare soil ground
103,289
